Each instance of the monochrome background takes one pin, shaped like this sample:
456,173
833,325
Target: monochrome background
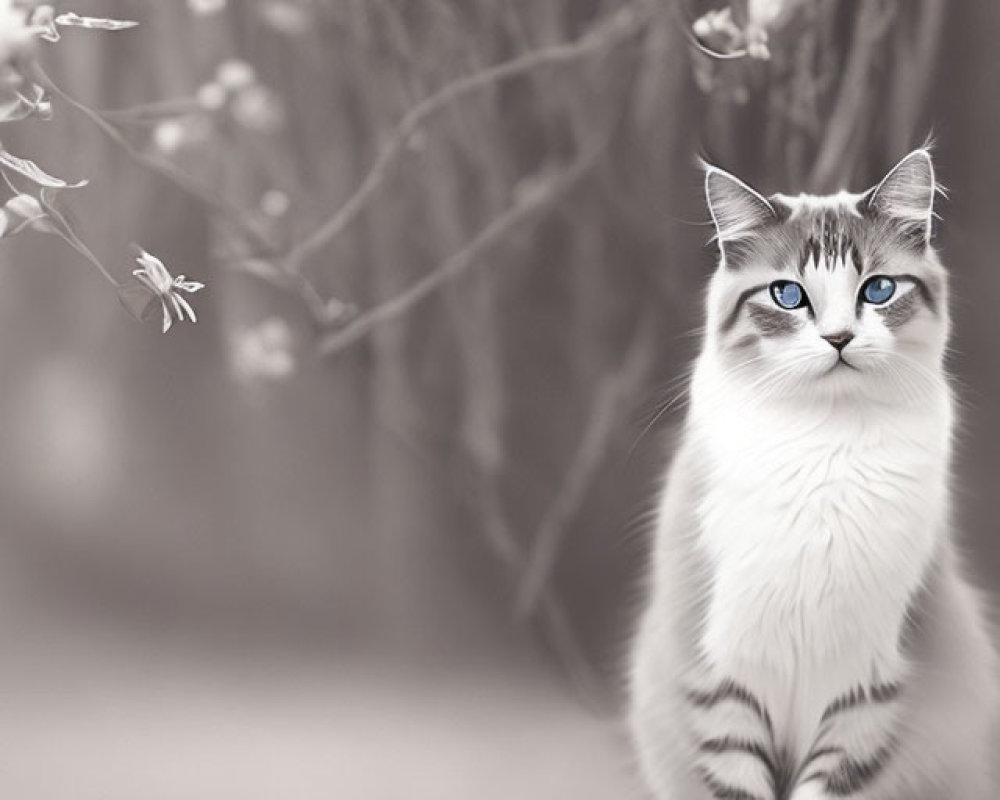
374,527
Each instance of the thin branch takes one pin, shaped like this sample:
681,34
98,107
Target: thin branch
69,236
496,230
159,166
63,230
293,282
155,111
552,617
620,26
615,390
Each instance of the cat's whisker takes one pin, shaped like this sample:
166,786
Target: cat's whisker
663,407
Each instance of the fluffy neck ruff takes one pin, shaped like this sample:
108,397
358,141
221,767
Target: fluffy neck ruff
818,518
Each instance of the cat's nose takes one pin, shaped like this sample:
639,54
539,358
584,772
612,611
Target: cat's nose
839,340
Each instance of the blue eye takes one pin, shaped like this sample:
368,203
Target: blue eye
788,294
878,290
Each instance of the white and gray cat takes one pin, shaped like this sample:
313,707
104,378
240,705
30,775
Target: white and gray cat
809,633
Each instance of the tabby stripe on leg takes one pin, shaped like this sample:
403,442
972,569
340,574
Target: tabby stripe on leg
877,693
815,755
724,791
852,775
729,744
730,691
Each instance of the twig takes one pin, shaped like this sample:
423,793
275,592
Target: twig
615,390
293,282
493,232
154,111
159,166
63,230
474,309
552,617
621,25
68,235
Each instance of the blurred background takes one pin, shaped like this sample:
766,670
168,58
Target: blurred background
374,527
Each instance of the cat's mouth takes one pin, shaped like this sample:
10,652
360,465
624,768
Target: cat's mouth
842,364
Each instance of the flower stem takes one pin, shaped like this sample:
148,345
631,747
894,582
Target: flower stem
164,168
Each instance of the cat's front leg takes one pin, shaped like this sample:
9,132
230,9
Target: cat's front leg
854,747
734,743
810,791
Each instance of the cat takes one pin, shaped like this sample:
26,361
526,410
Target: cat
808,633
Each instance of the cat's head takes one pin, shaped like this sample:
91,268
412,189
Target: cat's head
834,296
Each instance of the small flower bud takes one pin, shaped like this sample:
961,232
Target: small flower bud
258,109
24,206
235,74
211,96
169,136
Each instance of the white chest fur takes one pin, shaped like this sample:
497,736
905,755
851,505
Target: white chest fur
818,527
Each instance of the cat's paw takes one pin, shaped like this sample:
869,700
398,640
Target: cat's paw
812,790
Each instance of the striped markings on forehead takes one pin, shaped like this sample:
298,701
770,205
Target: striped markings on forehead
823,232
828,238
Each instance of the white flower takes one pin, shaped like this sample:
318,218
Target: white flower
264,351
16,35
72,19
169,136
175,135
768,13
44,22
20,212
20,99
22,23
717,30
25,206
155,278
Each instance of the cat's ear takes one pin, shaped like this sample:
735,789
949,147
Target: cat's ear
906,195
737,210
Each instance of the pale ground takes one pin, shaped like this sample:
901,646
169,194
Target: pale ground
93,716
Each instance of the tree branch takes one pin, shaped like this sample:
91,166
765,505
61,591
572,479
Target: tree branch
161,167
552,617
618,27
288,281
499,227
615,389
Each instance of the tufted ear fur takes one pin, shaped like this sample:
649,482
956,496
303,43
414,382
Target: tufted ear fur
737,210
906,195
